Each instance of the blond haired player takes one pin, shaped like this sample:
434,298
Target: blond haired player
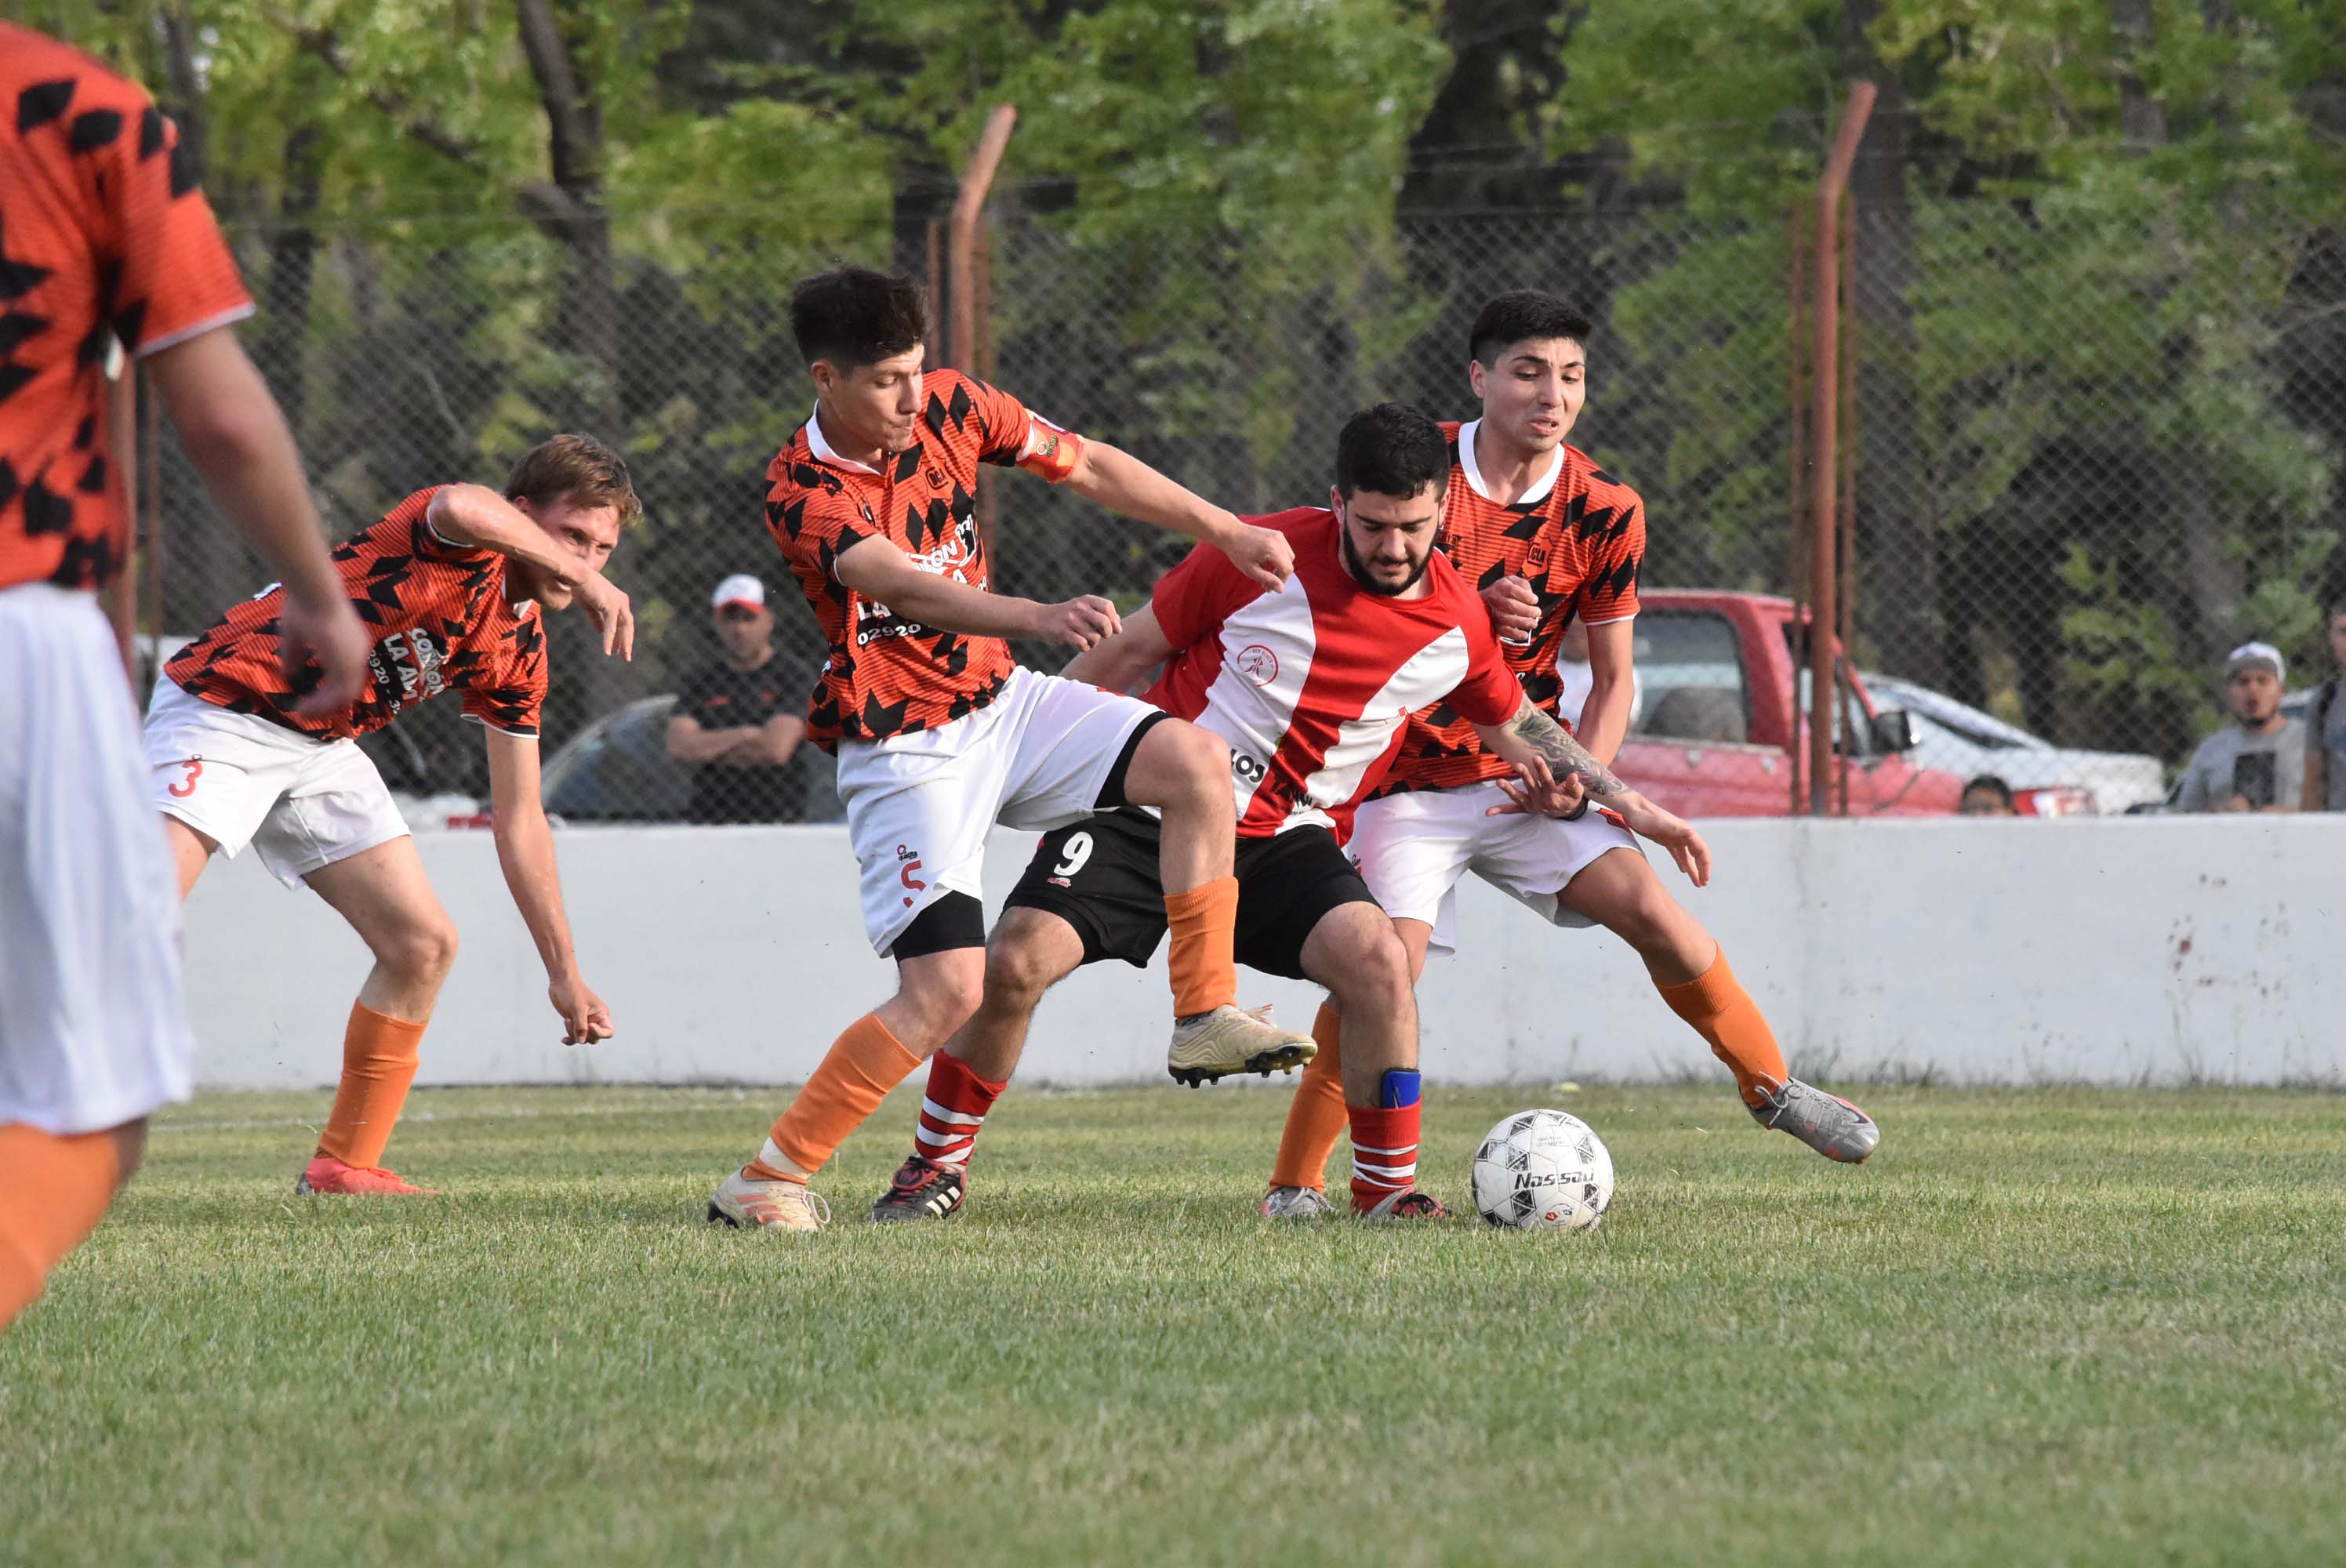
1550,537
102,229
452,584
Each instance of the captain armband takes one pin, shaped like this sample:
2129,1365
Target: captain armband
1050,451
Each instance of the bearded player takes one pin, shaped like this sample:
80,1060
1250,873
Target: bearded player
1551,538
1311,685
104,235
452,585
938,731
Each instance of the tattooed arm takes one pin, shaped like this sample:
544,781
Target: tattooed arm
1557,770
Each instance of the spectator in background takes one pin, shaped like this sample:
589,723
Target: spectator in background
1987,796
737,723
2325,728
2242,767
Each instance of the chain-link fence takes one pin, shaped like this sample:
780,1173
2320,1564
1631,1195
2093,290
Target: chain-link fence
2090,451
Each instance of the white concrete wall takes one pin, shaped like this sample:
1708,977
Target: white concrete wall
2110,951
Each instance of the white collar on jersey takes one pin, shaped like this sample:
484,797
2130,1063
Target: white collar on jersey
1532,497
821,448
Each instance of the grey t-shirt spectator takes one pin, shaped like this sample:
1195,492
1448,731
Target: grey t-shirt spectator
2333,741
2216,772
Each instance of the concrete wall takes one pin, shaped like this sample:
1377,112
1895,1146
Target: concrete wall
2107,952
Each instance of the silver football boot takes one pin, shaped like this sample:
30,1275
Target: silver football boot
1296,1203
1826,1122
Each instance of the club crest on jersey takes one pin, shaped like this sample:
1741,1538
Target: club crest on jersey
1258,664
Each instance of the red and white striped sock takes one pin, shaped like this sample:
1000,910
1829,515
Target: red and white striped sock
952,1111
1384,1153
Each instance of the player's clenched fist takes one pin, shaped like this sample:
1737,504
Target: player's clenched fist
329,631
1079,623
1262,553
584,1018
1514,609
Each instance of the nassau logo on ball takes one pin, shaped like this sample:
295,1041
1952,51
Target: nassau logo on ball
1543,1170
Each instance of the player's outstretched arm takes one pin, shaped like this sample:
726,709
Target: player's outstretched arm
526,855
1120,662
1549,755
239,442
479,518
1123,484
877,569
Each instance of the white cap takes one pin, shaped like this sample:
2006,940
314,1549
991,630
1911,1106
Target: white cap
741,588
2248,655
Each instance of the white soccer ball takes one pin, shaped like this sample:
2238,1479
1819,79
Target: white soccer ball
1543,1170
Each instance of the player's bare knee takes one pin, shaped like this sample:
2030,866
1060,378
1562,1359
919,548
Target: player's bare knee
424,950
1373,974
1650,920
1194,766
945,994
1019,968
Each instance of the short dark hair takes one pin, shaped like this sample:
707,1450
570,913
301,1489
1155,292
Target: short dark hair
1995,787
580,467
1519,316
1391,449
854,316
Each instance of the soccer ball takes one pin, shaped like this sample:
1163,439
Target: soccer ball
1543,1170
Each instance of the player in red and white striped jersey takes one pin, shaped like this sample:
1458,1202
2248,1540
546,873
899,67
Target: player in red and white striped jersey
1311,684
1552,539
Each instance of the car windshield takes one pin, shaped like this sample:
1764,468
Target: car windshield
1956,718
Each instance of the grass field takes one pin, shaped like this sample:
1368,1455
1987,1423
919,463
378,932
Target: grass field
2040,1327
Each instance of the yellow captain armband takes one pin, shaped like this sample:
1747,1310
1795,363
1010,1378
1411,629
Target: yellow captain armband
1050,451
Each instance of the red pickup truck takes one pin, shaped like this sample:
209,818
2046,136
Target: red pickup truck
1720,697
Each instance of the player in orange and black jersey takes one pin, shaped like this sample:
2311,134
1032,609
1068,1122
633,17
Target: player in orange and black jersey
939,733
106,245
1550,537
452,585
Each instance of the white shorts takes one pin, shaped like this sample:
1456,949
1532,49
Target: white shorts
302,803
919,806
92,1031
1411,849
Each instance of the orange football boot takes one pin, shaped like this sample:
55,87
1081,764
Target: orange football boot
328,1177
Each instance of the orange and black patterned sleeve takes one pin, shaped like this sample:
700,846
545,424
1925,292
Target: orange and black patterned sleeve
1001,422
815,521
513,701
167,273
1614,525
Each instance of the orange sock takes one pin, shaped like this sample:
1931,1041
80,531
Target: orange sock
380,1055
53,1192
865,1064
1723,1014
1316,1115
1204,922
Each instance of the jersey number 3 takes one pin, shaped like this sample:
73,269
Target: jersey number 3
186,786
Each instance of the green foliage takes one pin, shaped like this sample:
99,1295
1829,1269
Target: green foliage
2107,336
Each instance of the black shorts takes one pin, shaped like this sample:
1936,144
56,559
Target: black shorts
1100,876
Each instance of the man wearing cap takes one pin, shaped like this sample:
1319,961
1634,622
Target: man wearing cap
2256,762
737,723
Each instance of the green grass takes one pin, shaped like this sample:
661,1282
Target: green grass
2040,1327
